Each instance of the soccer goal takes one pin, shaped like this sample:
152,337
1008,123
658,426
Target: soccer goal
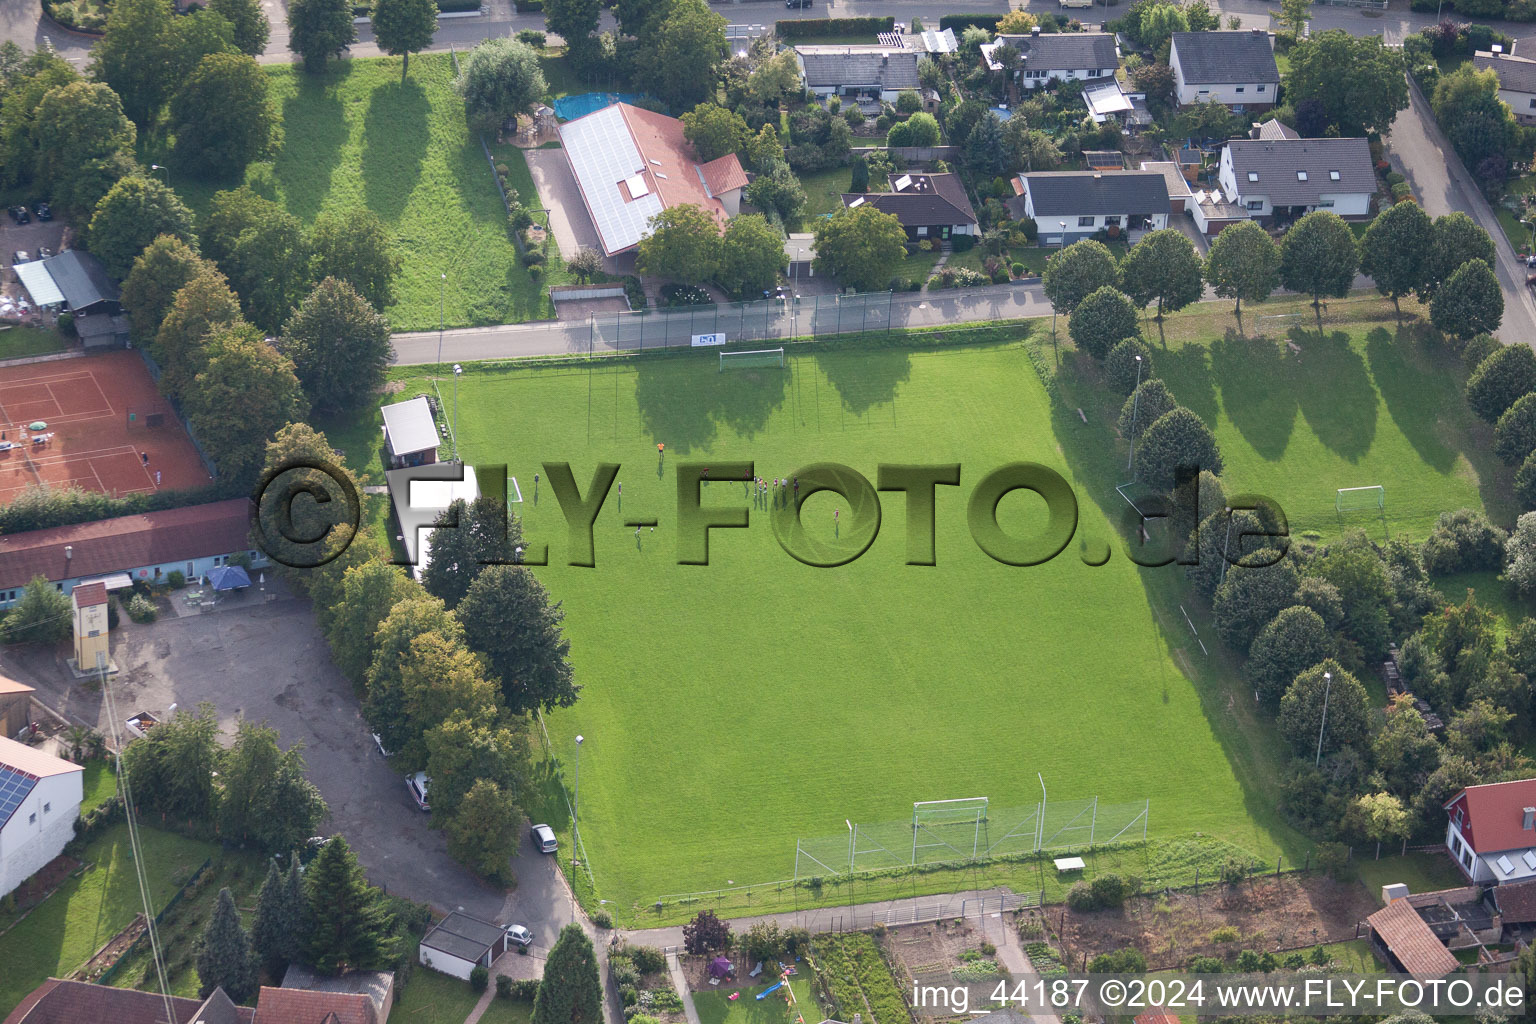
948,830
751,359
1360,499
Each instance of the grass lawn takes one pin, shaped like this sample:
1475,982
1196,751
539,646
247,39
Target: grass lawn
357,137
1508,607
99,784
823,194
30,341
1361,406
719,1008
77,920
1421,872
433,998
507,1011
855,707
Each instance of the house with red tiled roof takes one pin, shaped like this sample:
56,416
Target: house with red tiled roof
1403,939
75,1002
115,552
39,802
1491,831
631,163
303,1006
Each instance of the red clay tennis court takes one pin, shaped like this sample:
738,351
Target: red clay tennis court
103,416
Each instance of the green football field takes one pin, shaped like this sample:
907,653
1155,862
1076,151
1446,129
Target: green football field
728,709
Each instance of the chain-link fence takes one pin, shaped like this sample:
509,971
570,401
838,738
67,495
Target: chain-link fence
731,322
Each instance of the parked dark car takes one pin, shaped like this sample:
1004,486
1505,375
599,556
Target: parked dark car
20,215
795,5
44,253
44,211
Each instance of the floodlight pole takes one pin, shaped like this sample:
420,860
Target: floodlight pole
1040,825
1135,407
442,287
1226,546
1327,689
575,821
457,372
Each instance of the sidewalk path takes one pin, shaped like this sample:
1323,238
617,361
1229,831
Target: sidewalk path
680,982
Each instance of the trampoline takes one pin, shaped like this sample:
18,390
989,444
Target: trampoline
569,108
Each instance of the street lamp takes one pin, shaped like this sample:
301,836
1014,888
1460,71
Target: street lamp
167,170
458,371
1327,688
575,810
1135,406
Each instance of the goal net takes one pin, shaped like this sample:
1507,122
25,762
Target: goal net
751,359
1360,499
948,830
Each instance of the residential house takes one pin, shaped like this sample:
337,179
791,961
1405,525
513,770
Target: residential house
15,707
115,552
377,986
631,163
78,1002
1179,194
459,942
1491,831
1517,80
866,74
1057,56
927,205
1233,68
76,281
297,1006
1273,131
1068,206
39,802
1287,178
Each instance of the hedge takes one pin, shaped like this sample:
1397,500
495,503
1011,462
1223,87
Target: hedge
39,508
961,22
361,10
803,27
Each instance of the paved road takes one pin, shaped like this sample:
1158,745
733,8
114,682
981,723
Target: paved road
1418,149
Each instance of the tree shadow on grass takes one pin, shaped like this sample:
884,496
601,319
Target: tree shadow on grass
314,130
1416,392
1187,372
396,131
684,402
865,379
1255,393
1334,390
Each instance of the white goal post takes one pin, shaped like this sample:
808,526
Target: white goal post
752,358
1360,499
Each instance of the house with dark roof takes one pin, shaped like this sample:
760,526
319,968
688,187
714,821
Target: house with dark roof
1491,831
927,205
77,1002
39,802
1286,178
1517,80
858,72
459,942
1233,68
148,546
1047,57
1068,206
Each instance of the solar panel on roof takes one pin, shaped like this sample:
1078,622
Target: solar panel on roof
14,787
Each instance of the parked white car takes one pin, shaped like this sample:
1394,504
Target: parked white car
544,839
418,784
516,933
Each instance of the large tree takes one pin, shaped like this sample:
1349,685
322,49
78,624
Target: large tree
1077,271
570,992
684,245
684,48
777,188
1250,597
158,274
350,926
40,616
1501,380
276,934
1102,320
440,678
1457,239
1244,263
404,27
1301,710
1318,258
134,213
368,594
1360,82
575,21
246,392
79,128
224,956
483,833
267,798
320,29
222,117
1469,302
921,129
387,706
1176,440
137,56
1294,640
751,255
339,346
201,305
509,618
474,535
1478,124
714,130
860,247
24,86
1397,249
468,746
173,766
264,251
1514,435
356,248
501,78
1164,266
248,22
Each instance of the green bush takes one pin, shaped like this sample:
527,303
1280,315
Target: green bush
1080,897
647,959
1121,371
961,22
963,243
801,28
602,919
176,578
503,986
533,37
1224,934
1478,348
479,978
142,609
1018,269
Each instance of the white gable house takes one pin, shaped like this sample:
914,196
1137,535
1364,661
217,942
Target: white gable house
1517,80
39,803
1057,56
1068,206
1287,178
1233,68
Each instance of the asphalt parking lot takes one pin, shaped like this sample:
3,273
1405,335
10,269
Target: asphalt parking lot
28,238
266,661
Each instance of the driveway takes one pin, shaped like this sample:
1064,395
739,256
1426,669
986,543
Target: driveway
561,196
266,661
1419,150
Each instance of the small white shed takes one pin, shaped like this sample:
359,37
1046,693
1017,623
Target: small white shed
458,942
